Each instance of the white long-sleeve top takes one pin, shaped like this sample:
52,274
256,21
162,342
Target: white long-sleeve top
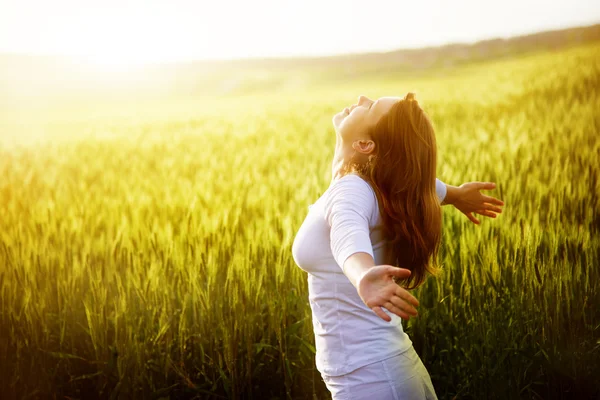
343,221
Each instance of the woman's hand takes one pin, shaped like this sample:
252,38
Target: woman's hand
467,199
377,289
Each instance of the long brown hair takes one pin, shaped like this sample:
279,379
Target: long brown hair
402,173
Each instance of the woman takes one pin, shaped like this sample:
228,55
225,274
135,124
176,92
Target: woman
372,236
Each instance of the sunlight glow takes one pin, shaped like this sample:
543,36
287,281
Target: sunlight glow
120,34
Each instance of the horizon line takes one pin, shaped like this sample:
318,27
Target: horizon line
307,56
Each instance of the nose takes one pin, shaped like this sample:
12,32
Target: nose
362,99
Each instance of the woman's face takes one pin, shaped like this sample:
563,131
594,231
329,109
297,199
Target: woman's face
353,123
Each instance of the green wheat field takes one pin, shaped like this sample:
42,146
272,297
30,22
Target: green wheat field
145,238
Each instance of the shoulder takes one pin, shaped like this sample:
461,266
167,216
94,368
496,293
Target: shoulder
352,183
352,192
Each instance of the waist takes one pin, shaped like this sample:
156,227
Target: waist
348,334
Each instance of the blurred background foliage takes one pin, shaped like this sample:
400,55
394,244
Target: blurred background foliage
148,217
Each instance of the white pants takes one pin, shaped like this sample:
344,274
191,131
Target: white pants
397,378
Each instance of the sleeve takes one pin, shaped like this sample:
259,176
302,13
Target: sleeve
348,209
440,189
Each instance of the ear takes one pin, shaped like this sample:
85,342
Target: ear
364,146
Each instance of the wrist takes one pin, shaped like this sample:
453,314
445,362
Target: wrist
452,194
356,266
359,278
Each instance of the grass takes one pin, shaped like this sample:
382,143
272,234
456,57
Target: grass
147,253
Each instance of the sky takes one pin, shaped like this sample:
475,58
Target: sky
149,31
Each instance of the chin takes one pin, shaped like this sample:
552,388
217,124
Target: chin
338,118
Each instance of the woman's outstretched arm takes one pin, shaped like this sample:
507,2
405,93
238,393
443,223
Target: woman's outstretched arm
349,209
376,286
468,200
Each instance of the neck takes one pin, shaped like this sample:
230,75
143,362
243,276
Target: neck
338,159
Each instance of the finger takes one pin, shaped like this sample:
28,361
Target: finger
407,297
486,213
492,200
490,207
377,310
485,185
401,305
399,312
472,218
399,272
